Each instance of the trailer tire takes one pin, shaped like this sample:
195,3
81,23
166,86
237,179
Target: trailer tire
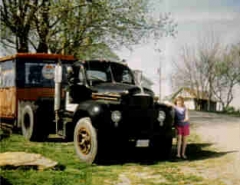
85,140
31,119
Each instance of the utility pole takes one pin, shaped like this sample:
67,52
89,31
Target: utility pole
160,74
160,79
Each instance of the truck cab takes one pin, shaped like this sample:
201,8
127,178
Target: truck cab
107,107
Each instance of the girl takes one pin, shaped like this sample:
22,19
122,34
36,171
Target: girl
181,125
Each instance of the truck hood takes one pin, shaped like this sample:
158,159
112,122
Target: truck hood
120,88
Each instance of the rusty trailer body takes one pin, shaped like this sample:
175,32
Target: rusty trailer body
25,78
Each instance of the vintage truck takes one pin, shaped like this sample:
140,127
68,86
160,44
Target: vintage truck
99,104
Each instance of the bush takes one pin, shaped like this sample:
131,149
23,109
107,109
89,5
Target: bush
231,110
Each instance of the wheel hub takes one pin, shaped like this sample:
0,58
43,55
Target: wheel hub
84,141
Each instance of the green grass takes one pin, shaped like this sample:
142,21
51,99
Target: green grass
71,171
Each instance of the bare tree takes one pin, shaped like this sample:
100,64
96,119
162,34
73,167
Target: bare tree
227,75
189,71
195,68
210,68
209,51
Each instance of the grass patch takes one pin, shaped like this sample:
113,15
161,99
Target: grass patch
75,172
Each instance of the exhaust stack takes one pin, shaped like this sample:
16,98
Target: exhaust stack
57,90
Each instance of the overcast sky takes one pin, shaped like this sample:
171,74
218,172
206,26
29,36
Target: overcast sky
196,19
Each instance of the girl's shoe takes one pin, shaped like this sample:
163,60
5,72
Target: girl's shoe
178,157
184,157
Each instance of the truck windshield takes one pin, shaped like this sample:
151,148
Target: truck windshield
122,73
98,72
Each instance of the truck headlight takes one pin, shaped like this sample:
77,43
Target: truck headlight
116,116
161,116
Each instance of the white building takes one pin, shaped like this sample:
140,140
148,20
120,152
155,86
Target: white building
194,102
236,98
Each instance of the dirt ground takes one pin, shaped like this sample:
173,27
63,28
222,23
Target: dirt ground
223,132
213,155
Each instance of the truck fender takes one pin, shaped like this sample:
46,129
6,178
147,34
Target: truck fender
169,112
96,111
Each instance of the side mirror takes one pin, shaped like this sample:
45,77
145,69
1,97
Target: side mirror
138,77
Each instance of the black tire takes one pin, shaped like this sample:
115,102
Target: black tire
85,140
161,147
32,123
167,145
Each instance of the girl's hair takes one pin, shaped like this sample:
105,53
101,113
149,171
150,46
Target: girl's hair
179,98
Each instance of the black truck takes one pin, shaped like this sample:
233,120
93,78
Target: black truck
103,108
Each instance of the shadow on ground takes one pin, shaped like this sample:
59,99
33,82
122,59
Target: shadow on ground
199,151
4,134
58,167
143,156
4,181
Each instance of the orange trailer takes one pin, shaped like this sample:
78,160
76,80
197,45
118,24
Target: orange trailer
24,78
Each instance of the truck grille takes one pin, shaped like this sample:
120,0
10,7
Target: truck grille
136,121
139,101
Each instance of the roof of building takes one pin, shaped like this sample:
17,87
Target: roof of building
188,93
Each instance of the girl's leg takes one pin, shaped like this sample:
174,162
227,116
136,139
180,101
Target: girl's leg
179,143
184,146
186,132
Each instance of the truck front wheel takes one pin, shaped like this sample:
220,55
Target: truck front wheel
161,147
85,140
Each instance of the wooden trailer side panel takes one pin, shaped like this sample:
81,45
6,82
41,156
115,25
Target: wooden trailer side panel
8,102
7,89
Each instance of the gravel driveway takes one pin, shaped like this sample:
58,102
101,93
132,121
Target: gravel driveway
224,132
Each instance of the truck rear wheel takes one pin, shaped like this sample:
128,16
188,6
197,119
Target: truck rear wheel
31,119
85,140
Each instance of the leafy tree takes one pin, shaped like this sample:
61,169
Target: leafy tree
77,26
16,20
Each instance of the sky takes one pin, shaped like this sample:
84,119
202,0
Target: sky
196,19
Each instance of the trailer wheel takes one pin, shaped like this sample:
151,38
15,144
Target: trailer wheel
30,123
85,140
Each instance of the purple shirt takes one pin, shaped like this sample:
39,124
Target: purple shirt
180,113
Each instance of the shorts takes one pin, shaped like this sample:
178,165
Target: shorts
183,130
